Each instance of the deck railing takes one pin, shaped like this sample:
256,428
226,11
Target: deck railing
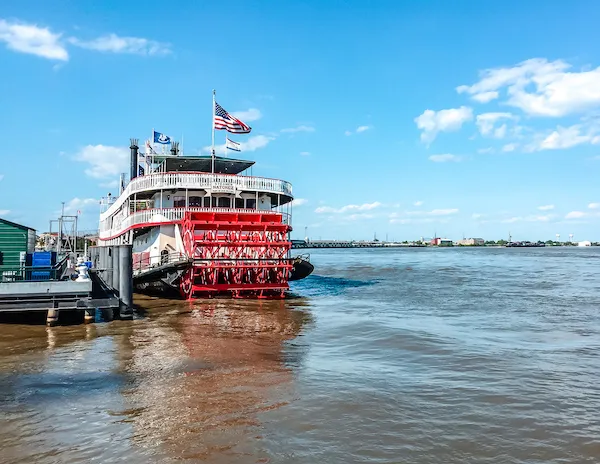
166,216
199,180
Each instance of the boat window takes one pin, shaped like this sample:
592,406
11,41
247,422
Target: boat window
207,202
196,201
213,202
251,203
179,202
239,202
224,202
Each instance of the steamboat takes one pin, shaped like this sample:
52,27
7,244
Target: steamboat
200,226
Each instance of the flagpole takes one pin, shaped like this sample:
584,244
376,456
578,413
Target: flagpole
152,149
213,133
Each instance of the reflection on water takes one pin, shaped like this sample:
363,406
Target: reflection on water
207,375
186,381
416,355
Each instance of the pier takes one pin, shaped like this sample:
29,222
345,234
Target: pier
103,290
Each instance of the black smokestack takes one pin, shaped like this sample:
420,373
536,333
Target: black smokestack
134,158
175,149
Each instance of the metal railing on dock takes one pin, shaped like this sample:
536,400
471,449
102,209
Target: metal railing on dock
34,273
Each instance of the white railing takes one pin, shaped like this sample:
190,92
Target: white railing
198,180
166,215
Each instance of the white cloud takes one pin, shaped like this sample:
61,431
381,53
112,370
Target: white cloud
300,128
546,207
576,215
249,115
358,130
4,212
500,132
483,97
80,205
305,153
445,158
418,203
32,39
485,150
566,137
252,144
476,216
256,142
432,122
1,176
594,205
486,122
112,43
348,208
41,41
509,147
105,161
357,217
434,212
299,201
539,87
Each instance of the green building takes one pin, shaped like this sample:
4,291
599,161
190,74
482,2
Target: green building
15,241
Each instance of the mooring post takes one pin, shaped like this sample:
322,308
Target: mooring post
52,317
126,281
116,276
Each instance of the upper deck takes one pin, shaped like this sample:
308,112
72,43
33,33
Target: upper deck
184,183
213,183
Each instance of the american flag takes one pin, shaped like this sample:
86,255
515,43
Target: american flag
223,120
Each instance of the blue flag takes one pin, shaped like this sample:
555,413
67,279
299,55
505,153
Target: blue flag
159,137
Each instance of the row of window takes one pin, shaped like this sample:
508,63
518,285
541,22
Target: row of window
219,202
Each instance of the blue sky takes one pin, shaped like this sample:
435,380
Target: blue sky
400,118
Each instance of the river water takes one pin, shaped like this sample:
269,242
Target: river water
399,355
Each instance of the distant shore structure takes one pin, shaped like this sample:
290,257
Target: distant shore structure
429,242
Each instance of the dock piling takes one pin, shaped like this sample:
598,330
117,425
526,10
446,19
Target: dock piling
116,276
109,264
126,281
52,317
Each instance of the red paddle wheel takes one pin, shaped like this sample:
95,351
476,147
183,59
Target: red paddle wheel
240,254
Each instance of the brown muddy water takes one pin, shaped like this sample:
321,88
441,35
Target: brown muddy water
384,356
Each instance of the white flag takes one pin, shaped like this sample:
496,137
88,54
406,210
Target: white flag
231,145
